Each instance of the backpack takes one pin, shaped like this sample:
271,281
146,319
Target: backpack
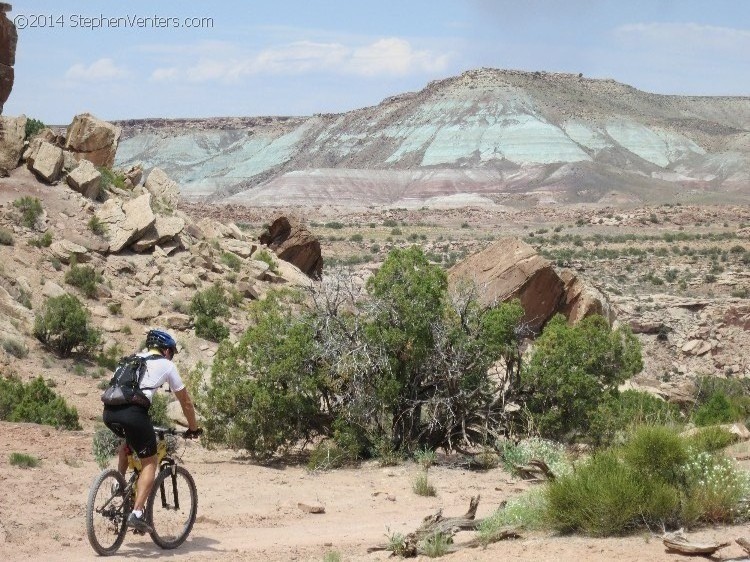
125,386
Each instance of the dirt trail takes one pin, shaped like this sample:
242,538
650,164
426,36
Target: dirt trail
250,512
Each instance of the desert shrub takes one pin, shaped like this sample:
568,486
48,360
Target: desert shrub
83,277
63,325
23,460
573,369
334,225
43,241
425,458
33,126
265,257
207,307
109,357
623,410
710,439
328,455
435,545
717,409
656,451
15,348
527,511
104,445
552,453
421,485
232,261
714,490
601,498
35,402
97,226
159,410
31,210
6,237
356,237
736,391
332,556
111,178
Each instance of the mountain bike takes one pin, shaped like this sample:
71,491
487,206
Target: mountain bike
170,509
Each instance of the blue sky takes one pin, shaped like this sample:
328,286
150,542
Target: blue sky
302,57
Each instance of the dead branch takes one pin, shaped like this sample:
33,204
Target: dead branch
679,543
744,543
535,470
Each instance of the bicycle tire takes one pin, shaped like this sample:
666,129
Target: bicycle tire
171,526
115,518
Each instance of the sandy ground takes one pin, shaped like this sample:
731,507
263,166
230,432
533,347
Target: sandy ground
250,512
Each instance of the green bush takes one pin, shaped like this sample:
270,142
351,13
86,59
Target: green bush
656,451
33,126
232,261
159,410
265,257
63,325
527,511
421,485
31,210
714,490
23,460
573,369
603,497
43,241
97,226
435,545
6,237
206,307
710,439
35,402
83,277
111,178
328,455
718,409
624,410
552,453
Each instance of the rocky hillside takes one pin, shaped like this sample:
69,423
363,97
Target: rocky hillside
482,137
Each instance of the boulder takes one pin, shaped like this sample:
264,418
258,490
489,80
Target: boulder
128,222
176,321
163,230
162,187
150,307
242,249
85,179
12,135
8,41
292,242
511,269
52,289
134,174
582,300
65,250
92,139
47,163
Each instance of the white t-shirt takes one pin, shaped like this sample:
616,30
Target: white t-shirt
159,371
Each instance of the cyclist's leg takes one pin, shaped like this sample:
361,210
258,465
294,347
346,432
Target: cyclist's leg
145,481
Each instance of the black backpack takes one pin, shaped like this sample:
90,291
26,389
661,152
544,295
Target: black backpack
125,386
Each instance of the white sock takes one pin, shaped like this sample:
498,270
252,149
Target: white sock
138,513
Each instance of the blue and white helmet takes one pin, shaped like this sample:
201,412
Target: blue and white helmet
160,340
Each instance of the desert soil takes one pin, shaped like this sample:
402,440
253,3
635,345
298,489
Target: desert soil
250,512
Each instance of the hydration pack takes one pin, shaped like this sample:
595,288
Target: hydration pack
125,386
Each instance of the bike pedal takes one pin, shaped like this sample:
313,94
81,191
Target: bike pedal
138,532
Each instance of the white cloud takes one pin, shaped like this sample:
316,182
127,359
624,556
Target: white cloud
102,69
384,57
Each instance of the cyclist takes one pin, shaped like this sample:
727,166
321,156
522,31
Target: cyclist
132,421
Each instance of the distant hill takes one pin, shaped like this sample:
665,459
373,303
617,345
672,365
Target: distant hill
482,137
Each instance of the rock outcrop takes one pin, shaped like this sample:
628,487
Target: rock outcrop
47,163
126,222
12,134
582,300
511,269
85,179
93,139
8,41
293,243
162,187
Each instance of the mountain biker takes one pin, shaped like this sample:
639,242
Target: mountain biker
132,421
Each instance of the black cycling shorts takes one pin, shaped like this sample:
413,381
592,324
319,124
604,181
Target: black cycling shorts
134,424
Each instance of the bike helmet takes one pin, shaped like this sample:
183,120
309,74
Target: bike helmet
161,340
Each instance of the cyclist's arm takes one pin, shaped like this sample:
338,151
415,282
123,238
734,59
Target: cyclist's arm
187,408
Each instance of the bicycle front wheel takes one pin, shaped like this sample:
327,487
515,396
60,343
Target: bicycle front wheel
172,506
106,512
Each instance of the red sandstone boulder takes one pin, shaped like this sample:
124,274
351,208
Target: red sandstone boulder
293,243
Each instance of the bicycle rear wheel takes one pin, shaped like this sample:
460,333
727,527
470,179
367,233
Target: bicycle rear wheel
172,506
106,512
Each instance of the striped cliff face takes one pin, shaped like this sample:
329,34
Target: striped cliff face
482,134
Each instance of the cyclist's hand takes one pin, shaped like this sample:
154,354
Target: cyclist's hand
193,434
